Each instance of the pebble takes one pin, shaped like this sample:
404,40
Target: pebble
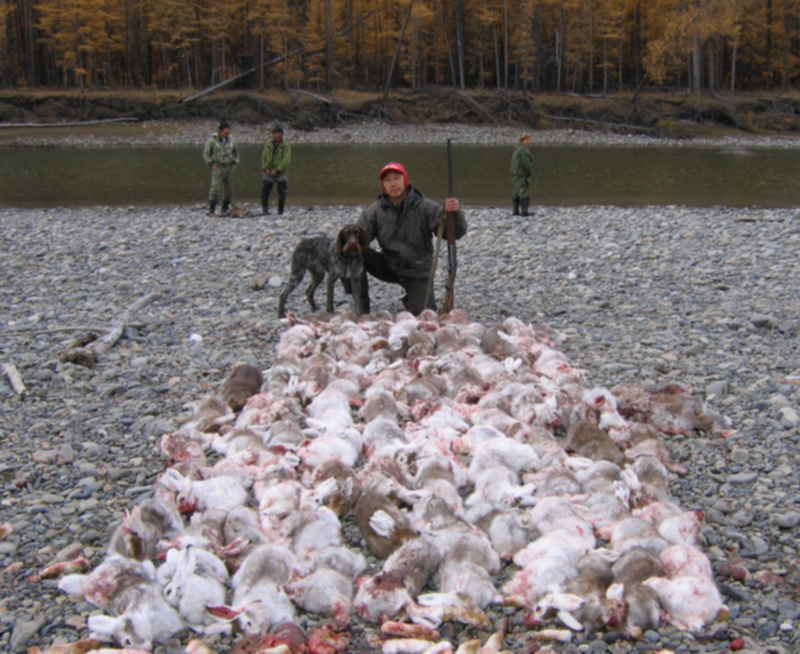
24,630
743,478
788,520
701,297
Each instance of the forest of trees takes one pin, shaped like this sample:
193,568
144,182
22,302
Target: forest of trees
584,46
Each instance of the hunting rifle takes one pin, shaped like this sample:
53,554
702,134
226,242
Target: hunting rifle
452,262
450,218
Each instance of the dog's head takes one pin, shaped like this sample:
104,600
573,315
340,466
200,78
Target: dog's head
351,239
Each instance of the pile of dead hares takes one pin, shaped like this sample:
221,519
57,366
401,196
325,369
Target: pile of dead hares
392,471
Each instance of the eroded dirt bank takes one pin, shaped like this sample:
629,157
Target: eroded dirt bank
657,114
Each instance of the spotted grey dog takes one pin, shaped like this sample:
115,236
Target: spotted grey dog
339,259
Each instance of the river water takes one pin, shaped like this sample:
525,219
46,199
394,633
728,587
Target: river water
345,174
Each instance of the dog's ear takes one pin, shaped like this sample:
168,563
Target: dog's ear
363,239
341,239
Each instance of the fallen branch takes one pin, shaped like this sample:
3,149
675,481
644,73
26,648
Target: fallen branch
599,122
277,59
81,123
69,328
477,105
104,344
15,379
313,95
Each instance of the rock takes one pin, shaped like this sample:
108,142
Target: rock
788,520
24,630
790,417
45,456
742,478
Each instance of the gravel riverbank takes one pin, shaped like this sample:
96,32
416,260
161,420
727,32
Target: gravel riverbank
176,132
705,297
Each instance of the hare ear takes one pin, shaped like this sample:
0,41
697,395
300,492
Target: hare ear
149,569
104,625
227,613
72,584
172,479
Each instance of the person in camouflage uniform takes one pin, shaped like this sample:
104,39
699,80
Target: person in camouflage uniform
521,171
221,156
275,159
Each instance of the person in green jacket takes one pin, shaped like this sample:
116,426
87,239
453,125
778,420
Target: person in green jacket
521,171
221,156
275,159
404,222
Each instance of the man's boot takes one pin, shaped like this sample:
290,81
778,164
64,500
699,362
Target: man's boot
523,205
212,207
516,206
226,207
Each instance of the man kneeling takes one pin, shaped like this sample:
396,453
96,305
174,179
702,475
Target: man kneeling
404,222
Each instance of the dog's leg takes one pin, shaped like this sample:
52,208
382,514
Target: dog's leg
360,294
316,280
294,279
331,285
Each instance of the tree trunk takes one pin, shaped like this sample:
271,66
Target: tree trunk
328,43
261,72
497,76
505,44
590,63
734,53
636,42
450,56
460,42
768,54
390,74
697,65
30,41
558,59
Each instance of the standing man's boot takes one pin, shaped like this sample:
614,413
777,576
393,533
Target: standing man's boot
226,207
523,205
516,206
281,203
212,207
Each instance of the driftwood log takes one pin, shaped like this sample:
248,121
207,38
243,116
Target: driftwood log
80,123
589,121
84,351
15,379
103,345
477,106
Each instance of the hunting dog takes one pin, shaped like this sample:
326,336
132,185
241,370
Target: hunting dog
339,259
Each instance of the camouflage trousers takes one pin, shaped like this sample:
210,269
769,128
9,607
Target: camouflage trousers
520,186
221,176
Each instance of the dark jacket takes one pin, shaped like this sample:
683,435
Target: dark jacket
405,232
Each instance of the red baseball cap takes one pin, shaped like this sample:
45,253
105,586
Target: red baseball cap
394,167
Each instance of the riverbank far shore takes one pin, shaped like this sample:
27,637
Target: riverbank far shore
167,133
705,298
404,116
